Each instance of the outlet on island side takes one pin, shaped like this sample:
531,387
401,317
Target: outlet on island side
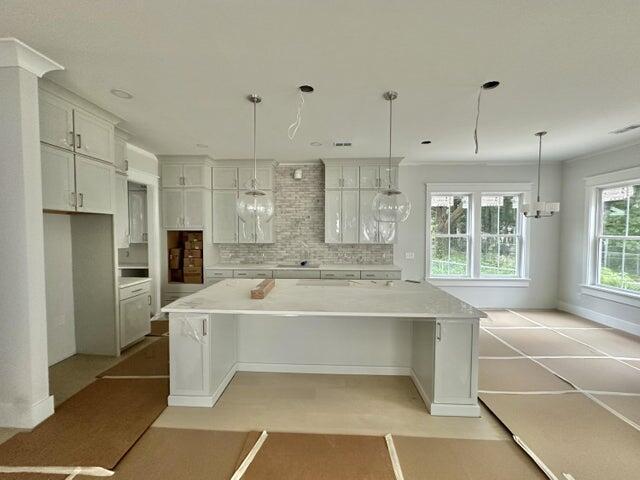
409,255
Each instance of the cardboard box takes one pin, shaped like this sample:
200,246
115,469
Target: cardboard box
192,270
175,254
193,278
194,237
193,254
193,245
193,262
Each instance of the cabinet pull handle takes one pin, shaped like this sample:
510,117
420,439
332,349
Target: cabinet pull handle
126,165
79,137
137,290
149,297
438,331
81,197
204,327
69,139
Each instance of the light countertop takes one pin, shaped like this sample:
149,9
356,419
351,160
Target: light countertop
133,266
130,281
356,298
274,266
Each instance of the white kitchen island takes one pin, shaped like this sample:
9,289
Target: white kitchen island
326,326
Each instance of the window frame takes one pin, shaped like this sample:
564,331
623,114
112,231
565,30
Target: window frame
450,235
594,187
474,243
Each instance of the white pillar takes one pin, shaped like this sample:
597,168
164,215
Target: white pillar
24,378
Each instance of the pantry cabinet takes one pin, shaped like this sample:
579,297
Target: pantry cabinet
138,216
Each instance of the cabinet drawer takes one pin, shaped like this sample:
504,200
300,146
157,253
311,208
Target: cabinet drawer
134,290
341,274
296,274
380,275
253,274
211,273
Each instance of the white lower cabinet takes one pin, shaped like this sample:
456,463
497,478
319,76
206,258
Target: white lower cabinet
122,212
190,354
135,317
58,179
94,186
341,216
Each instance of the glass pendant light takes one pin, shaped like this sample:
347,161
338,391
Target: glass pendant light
540,209
254,206
390,204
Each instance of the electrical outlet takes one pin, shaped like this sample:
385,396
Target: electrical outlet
409,255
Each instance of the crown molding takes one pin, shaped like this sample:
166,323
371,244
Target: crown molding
14,53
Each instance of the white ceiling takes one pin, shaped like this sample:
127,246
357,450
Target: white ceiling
571,67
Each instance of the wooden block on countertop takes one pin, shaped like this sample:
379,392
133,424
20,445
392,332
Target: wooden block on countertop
263,289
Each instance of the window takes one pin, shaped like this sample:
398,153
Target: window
476,232
618,237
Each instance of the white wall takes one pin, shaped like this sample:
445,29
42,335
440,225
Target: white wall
545,233
61,333
574,227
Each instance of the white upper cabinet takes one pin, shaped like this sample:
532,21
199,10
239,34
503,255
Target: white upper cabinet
179,175
341,177
374,176
94,137
263,175
194,208
56,121
349,213
349,177
368,224
120,155
138,216
184,208
341,216
225,177
172,208
58,179
171,175
225,218
332,216
94,186
121,219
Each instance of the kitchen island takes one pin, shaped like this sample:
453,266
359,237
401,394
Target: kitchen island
326,326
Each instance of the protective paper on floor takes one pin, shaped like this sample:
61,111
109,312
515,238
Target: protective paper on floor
544,342
492,347
299,456
93,428
558,319
152,360
504,318
601,374
159,328
518,375
613,342
571,434
454,459
629,406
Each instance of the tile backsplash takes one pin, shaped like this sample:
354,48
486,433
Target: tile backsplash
299,228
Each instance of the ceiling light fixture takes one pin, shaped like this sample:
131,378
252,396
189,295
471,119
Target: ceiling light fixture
202,145
121,93
254,206
316,144
485,86
425,142
390,204
540,209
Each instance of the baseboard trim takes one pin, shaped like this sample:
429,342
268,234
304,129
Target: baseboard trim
17,416
601,318
328,369
207,401
444,409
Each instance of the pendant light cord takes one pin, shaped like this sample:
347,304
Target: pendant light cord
255,162
539,163
390,136
293,128
475,132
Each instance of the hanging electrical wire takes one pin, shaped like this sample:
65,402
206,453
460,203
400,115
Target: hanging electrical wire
293,128
485,86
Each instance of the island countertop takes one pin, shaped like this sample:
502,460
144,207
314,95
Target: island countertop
361,298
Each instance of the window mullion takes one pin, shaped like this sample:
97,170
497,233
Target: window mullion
476,229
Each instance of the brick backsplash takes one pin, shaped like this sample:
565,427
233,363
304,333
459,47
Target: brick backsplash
299,228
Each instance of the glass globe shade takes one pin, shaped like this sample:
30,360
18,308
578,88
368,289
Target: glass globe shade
255,207
391,206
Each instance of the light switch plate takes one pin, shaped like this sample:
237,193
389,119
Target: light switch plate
409,255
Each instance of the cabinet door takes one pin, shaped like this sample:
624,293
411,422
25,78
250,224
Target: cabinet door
350,203
246,231
387,232
225,177
387,174
135,319
56,121
190,354
95,186
369,176
171,175
225,218
94,136
349,177
120,155
332,177
194,208
456,364
245,174
172,208
196,176
58,181
332,217
138,216
122,212
368,224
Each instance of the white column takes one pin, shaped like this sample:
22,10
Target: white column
24,380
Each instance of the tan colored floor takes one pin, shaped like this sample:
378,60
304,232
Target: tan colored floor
71,375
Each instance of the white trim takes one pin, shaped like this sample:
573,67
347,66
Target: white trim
140,176
627,175
14,53
17,416
395,161
611,294
479,282
503,188
326,369
206,401
444,409
620,324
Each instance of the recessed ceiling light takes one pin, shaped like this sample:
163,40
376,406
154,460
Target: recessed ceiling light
202,145
121,93
316,144
425,142
306,88
490,85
